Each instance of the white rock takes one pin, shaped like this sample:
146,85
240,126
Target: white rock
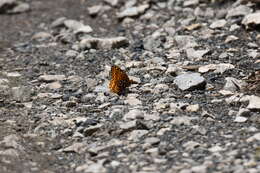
133,11
185,41
51,78
240,119
254,137
240,10
191,145
112,2
137,134
195,54
103,43
132,100
134,114
199,169
231,38
190,81
188,3
243,112
193,108
182,120
218,68
254,102
218,24
215,149
233,84
251,19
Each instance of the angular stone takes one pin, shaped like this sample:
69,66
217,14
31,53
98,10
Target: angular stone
251,19
103,43
51,78
133,11
190,81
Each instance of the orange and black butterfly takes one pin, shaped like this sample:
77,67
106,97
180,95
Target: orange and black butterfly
119,80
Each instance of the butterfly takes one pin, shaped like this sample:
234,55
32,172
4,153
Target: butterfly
119,80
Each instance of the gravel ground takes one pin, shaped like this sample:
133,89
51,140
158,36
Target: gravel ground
195,109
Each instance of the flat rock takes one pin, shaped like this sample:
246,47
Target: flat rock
188,3
20,8
133,11
112,2
137,134
132,100
195,54
254,102
21,94
218,68
218,24
77,26
233,84
103,43
251,19
240,119
51,78
190,81
185,41
240,10
134,114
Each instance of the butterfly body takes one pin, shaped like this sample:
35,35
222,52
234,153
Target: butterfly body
119,80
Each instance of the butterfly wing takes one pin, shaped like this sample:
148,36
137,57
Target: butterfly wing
119,80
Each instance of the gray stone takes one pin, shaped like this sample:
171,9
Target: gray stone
185,41
58,22
51,78
254,102
240,10
218,68
20,8
41,36
151,43
233,84
93,129
231,38
71,53
182,120
21,94
188,3
251,19
112,2
128,125
240,119
78,147
91,167
134,114
234,27
77,27
133,11
190,81
132,100
137,134
13,75
94,10
54,85
152,140
195,54
153,117
103,43
243,112
218,24
191,145
199,169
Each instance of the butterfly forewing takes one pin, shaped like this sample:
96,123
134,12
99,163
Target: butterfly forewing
119,80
